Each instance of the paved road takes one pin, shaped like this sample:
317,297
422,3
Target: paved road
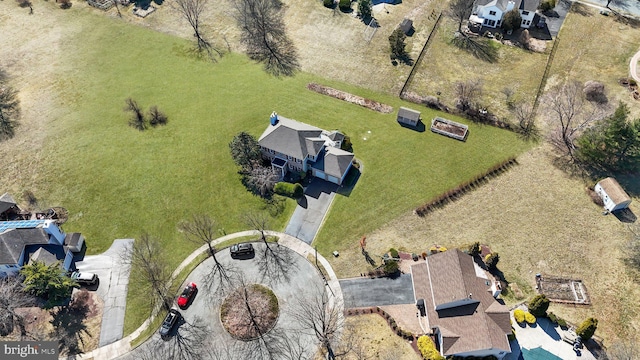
630,7
303,282
311,210
112,287
362,292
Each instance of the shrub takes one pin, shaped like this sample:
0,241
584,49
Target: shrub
345,5
562,322
594,91
428,348
518,314
587,328
474,249
529,318
538,305
547,5
511,20
329,3
390,267
512,335
552,317
492,260
525,39
294,191
424,255
65,4
157,117
394,253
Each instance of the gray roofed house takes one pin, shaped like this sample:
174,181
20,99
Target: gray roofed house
461,310
294,146
20,245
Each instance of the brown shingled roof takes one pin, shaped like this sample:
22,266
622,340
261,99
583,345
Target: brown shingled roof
466,324
614,190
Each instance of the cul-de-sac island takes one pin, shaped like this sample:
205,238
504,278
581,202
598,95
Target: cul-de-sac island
320,179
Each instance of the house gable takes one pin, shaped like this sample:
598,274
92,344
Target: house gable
460,305
14,241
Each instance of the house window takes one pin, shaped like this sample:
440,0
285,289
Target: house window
525,13
526,22
492,13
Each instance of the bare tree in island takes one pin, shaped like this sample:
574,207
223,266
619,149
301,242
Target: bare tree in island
264,36
147,257
192,10
202,230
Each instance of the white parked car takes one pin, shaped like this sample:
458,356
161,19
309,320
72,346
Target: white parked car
84,278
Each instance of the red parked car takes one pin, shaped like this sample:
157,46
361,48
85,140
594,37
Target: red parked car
187,295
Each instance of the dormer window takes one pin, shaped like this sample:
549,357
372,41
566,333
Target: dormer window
492,13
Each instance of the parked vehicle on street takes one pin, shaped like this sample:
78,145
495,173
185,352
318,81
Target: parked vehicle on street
241,249
188,293
169,322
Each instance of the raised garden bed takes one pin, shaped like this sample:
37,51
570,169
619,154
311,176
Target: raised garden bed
354,99
449,128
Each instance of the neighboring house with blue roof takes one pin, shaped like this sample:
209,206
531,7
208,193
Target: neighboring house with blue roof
22,242
294,146
490,12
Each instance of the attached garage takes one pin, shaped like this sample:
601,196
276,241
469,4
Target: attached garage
333,179
318,173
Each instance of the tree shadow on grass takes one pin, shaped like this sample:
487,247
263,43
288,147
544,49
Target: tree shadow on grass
482,49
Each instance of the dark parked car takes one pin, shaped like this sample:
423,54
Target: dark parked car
169,322
84,278
187,295
241,249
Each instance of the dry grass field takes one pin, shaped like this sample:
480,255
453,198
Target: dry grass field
540,221
378,339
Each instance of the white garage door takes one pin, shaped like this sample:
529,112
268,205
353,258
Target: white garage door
318,173
333,179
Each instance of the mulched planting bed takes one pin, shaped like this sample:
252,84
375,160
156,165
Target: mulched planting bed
354,99
249,312
562,290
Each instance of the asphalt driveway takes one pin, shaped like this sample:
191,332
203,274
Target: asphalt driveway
363,292
311,210
112,288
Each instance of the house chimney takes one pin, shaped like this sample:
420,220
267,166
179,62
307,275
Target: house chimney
55,233
274,118
510,6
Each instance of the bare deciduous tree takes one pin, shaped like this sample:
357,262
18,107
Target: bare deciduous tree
157,117
276,263
202,230
12,297
570,113
261,180
69,327
137,119
264,35
321,315
467,93
192,10
526,120
147,258
461,10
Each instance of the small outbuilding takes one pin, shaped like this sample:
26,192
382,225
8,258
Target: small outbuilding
612,194
407,26
408,117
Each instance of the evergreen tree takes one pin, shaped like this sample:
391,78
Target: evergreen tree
587,329
47,281
613,144
364,9
396,42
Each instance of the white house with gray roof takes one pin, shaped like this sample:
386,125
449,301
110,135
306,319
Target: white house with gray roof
490,12
294,146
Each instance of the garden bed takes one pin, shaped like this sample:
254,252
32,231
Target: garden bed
354,99
449,128
562,290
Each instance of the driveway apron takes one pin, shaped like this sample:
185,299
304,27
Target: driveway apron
113,277
311,210
363,292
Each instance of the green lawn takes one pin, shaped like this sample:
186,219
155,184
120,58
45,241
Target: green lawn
118,182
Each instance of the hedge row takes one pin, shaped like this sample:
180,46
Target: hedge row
524,316
462,189
294,191
354,99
